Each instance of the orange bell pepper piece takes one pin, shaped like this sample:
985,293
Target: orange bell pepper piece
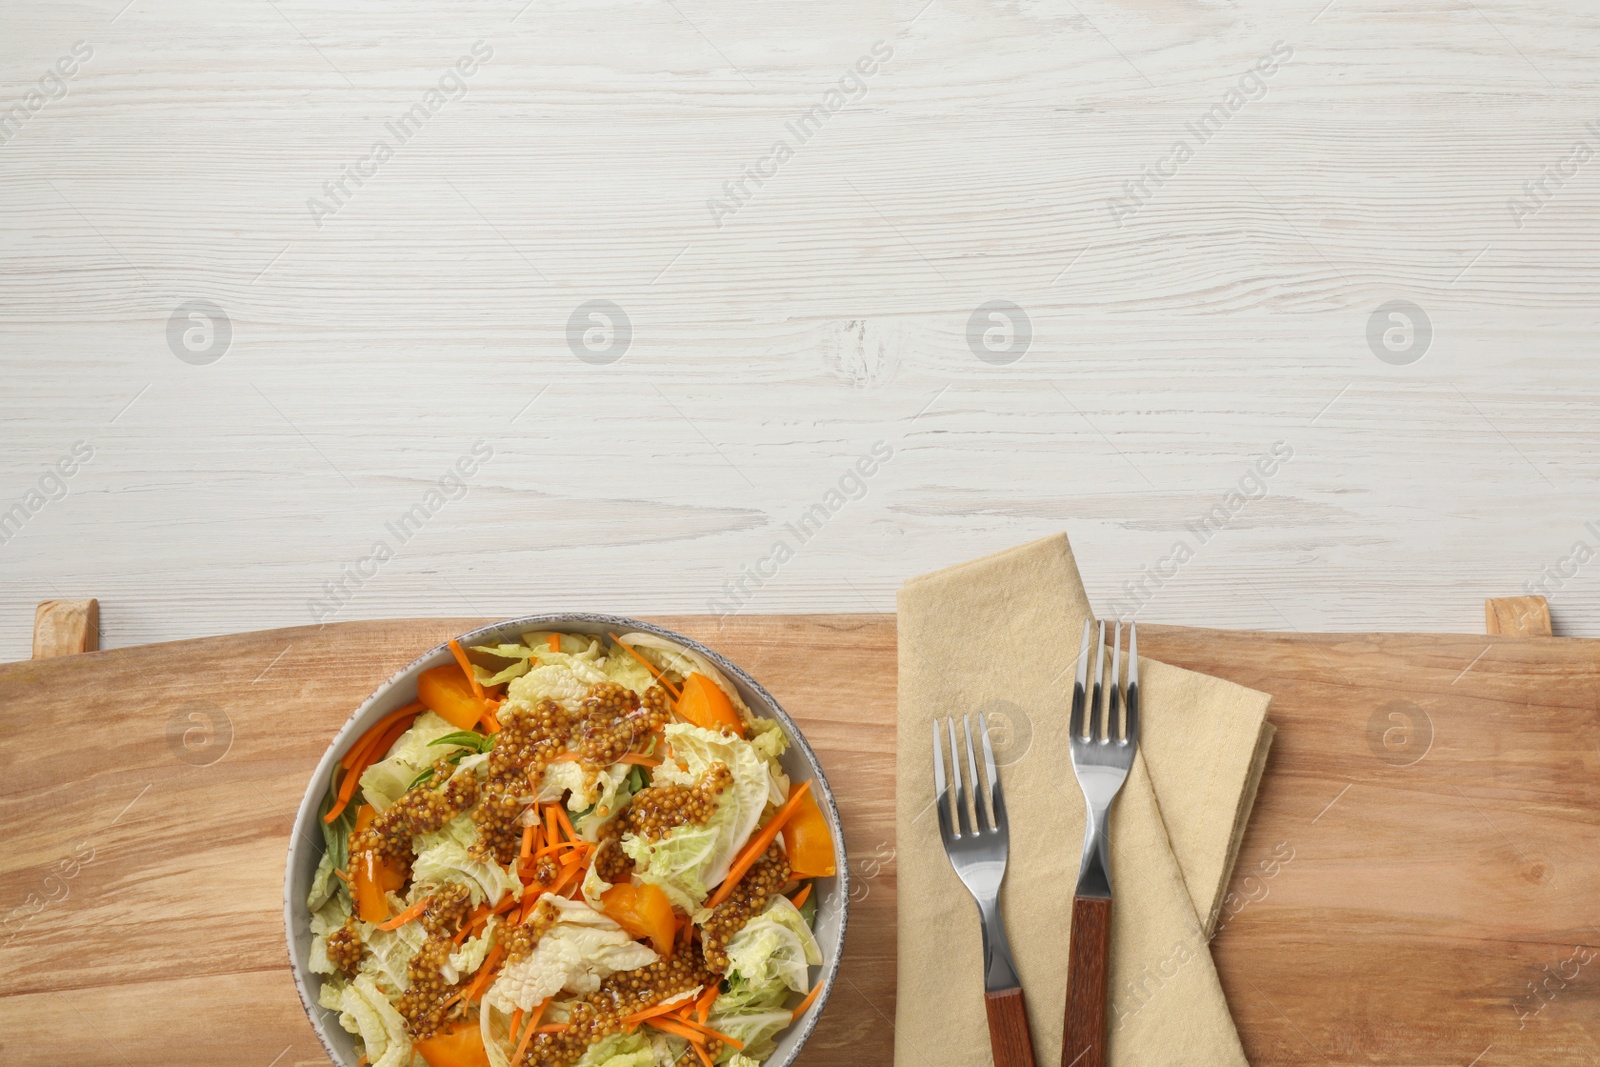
643,911
371,878
808,841
705,704
446,691
458,1047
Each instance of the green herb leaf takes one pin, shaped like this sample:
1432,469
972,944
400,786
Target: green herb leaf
466,739
808,910
336,835
453,758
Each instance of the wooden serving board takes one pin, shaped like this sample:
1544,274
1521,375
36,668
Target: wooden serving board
1425,846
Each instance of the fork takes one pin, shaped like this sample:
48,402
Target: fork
977,850
1101,758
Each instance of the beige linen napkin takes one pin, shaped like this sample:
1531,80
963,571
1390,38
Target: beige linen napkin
1000,634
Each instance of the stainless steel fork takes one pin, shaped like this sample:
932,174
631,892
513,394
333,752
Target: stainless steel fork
977,848
1101,757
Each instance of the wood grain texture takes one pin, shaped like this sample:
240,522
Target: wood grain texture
65,628
769,353
1083,1033
141,898
1416,886
1009,1039
1517,616
1422,856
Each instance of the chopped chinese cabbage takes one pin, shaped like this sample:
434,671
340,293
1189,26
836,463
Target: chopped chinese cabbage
443,859
581,949
412,753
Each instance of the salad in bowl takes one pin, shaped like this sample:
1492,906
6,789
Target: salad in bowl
571,849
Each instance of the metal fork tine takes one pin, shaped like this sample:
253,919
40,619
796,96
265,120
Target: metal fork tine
1075,722
997,804
978,817
977,852
1131,734
941,795
1114,698
963,825
1099,677
1101,763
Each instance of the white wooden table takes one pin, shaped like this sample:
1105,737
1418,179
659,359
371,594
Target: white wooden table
355,340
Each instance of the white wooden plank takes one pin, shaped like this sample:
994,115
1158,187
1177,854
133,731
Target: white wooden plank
829,312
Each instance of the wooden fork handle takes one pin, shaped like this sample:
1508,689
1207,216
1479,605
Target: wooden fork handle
1083,1041
1008,1029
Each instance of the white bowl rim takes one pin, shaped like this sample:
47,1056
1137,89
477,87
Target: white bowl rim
312,800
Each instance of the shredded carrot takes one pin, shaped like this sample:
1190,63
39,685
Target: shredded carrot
677,694
566,824
479,914
704,1029
694,1037
554,641
527,841
551,830
561,847
376,730
358,751
648,1013
406,916
516,1023
343,877
347,789
553,1028
564,757
480,917
703,1008
386,742
481,982
490,723
580,871
466,666
565,879
352,777
757,846
527,1035
800,897
800,1009
676,1026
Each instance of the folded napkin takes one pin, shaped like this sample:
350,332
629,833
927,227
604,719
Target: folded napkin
1001,635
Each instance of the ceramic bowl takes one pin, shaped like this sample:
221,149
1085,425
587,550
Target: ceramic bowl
305,844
